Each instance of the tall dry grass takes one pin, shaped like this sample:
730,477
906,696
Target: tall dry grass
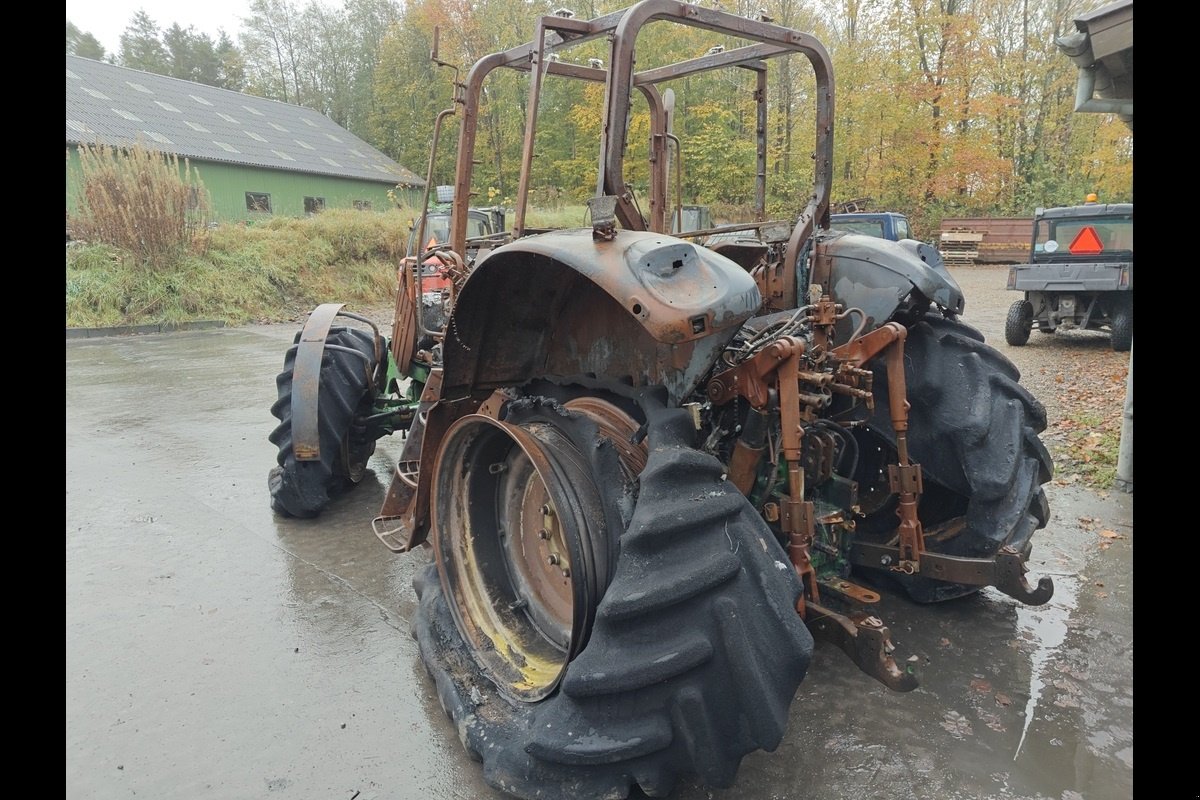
267,272
141,201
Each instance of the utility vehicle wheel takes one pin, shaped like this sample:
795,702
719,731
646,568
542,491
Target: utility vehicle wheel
1018,323
587,634
974,431
351,372
1122,326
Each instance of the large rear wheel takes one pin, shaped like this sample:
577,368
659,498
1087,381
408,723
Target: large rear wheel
975,432
351,373
589,631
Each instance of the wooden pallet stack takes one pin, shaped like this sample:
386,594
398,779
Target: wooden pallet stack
960,247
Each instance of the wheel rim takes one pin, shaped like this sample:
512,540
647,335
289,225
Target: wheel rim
354,457
520,545
617,426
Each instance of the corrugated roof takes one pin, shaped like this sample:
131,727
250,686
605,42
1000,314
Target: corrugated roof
119,106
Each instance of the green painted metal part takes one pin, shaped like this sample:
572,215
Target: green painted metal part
395,408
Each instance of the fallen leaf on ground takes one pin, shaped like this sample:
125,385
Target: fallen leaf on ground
1003,699
957,725
992,721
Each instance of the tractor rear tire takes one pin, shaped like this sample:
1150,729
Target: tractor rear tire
975,432
1018,323
695,650
348,384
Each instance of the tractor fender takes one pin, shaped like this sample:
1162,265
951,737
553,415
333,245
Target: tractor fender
642,308
882,277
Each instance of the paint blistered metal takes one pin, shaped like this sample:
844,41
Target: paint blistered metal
644,308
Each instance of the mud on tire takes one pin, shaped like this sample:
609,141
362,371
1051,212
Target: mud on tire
694,656
347,387
975,432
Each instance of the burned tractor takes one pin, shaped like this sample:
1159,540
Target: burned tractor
647,473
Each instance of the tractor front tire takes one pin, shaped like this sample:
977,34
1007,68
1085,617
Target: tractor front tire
975,432
348,384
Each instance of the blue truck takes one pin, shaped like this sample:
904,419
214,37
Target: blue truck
882,224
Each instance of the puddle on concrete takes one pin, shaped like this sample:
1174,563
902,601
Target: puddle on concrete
1046,627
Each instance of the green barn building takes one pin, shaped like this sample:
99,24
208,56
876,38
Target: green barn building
255,156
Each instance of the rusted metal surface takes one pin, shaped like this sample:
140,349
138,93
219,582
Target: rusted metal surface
402,520
573,32
643,309
621,78
775,372
306,382
615,425
623,27
797,519
391,528
869,345
754,378
849,592
1006,571
408,310
760,131
519,574
537,64
868,643
904,476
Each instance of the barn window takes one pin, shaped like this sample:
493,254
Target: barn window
258,201
314,205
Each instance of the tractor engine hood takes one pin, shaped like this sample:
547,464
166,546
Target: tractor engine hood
642,309
880,276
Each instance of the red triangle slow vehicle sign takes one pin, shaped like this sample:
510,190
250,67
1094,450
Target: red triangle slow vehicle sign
1086,243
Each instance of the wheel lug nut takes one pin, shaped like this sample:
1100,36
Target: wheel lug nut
566,572
553,558
543,534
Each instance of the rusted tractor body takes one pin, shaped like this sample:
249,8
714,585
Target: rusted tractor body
648,473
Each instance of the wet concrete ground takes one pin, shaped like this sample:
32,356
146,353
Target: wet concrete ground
216,650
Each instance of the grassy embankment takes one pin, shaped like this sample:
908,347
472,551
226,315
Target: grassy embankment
264,272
